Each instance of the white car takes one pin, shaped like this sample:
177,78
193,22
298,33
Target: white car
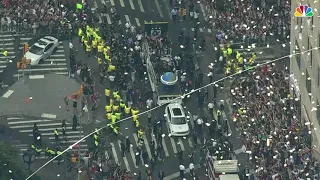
42,49
176,120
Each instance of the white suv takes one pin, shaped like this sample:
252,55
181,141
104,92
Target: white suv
176,120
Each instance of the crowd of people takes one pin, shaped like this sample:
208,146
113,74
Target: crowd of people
36,16
282,147
249,21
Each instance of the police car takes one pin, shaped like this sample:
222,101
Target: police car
176,120
42,49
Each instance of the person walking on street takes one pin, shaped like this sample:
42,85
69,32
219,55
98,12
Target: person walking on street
64,127
56,135
123,148
145,157
74,123
211,108
138,154
153,163
174,13
128,144
191,168
161,175
182,169
180,155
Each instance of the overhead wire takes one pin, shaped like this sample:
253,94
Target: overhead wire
173,100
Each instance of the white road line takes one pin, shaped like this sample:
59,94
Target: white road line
154,139
36,76
192,29
147,146
209,30
137,143
50,116
124,157
166,152
159,9
127,18
122,3
200,29
173,143
168,9
114,152
8,94
112,3
140,6
133,156
138,22
108,19
100,20
190,141
181,144
131,5
102,2
119,22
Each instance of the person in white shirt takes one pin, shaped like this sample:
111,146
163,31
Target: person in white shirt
191,168
149,103
182,169
111,80
139,37
210,108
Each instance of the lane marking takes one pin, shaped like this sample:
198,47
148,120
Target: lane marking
131,5
122,3
147,145
200,29
173,143
114,152
168,9
181,144
191,120
133,156
112,3
164,145
36,76
8,94
127,19
50,116
138,22
137,143
159,9
192,29
140,6
108,19
124,157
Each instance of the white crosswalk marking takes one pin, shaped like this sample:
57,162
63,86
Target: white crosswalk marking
181,144
137,143
7,44
112,3
147,146
166,152
108,19
122,3
192,29
133,156
159,8
46,128
114,152
124,158
127,19
138,22
140,5
131,4
200,29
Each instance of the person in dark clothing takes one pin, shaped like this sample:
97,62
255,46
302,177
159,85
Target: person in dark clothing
138,154
153,162
161,175
123,148
128,144
159,151
74,122
180,156
152,147
145,157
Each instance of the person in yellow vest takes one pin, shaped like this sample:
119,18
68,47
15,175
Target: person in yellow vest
99,61
122,106
100,49
127,110
115,130
94,45
229,50
108,108
135,118
137,123
118,98
111,102
109,116
107,93
218,112
115,108
113,119
115,94
88,49
228,70
134,111
118,115
140,134
80,34
238,55
38,151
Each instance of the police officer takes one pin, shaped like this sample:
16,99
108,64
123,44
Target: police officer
64,127
140,134
56,134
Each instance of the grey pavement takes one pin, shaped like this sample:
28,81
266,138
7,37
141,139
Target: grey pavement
47,93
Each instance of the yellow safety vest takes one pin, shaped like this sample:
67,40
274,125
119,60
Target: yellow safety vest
127,110
115,108
99,60
32,146
82,39
227,71
95,136
122,105
118,98
59,152
240,60
94,43
140,133
111,102
238,55
115,94
137,123
88,48
134,112
38,150
104,51
118,115
113,118
135,117
115,130
85,42
218,112
229,51
225,53
111,68
80,32
107,92
56,132
100,48
96,143
109,116
108,109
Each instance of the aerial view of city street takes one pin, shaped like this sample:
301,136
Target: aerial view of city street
159,90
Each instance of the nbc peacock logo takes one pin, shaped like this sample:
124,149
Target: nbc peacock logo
303,11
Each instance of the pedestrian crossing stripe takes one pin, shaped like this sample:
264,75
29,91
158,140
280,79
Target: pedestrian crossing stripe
123,4
8,44
46,128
